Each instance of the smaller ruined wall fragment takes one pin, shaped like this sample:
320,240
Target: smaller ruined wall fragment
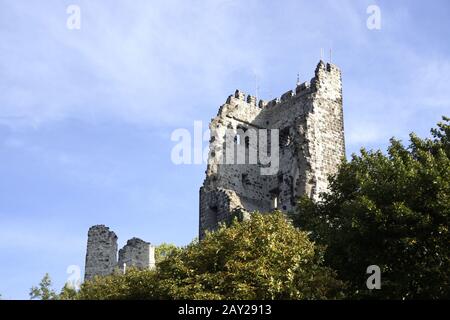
101,253
137,253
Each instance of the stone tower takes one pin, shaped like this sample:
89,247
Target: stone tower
101,253
307,124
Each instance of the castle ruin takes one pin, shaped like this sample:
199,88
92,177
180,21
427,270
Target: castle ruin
101,253
309,129
309,124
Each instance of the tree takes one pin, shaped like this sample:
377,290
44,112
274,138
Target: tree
163,250
134,284
68,293
44,290
262,258
389,210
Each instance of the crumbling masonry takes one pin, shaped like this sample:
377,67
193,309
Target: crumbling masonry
310,127
101,253
308,123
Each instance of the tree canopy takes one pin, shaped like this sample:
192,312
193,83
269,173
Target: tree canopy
390,210
44,290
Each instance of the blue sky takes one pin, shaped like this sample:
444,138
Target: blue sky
86,115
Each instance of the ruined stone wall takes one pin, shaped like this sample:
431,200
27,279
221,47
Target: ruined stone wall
325,127
101,253
137,253
309,122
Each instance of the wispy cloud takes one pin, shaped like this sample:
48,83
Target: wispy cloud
129,62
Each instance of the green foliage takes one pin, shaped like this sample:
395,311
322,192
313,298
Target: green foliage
392,211
68,293
164,250
262,258
44,290
135,284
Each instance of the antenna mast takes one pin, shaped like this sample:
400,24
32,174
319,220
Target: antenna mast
257,87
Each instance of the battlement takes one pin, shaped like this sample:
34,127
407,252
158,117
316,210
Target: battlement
324,72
